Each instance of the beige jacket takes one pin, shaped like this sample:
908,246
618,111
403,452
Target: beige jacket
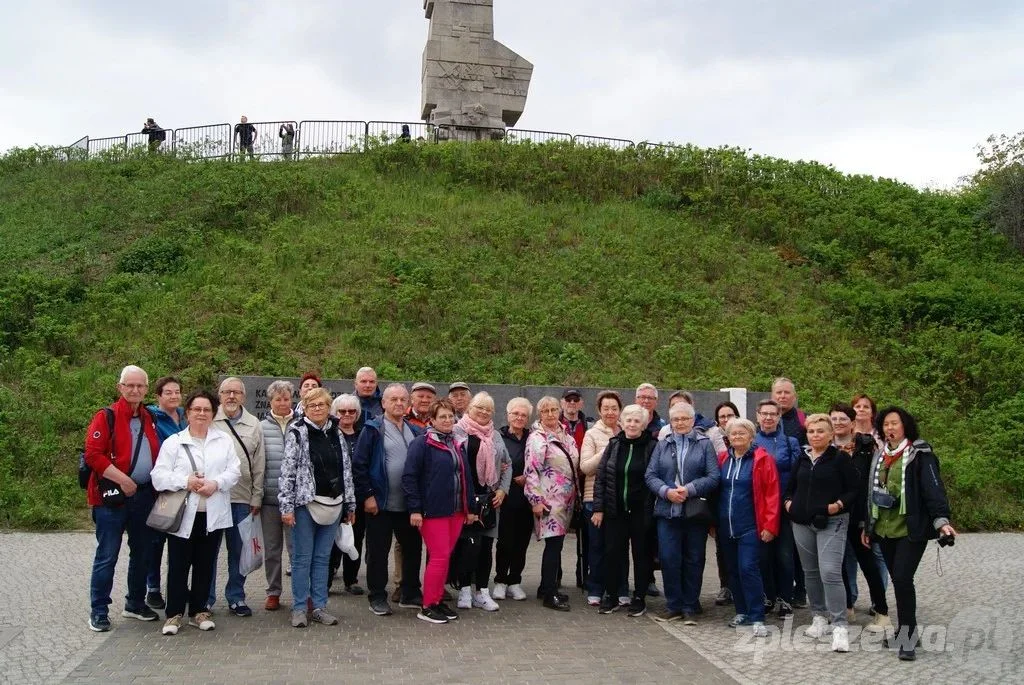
594,442
249,489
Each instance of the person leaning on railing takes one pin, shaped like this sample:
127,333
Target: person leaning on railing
907,507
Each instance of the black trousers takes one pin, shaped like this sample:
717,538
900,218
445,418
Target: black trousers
514,530
476,553
902,557
195,554
380,529
620,534
551,565
349,567
582,558
868,566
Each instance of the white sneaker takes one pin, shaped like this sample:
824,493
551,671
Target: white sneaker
879,624
593,600
465,598
818,628
171,625
760,630
517,592
624,601
499,591
840,639
482,600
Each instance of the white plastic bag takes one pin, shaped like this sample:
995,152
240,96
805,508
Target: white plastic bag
345,540
250,529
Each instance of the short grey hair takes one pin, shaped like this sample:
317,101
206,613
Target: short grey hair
231,379
482,399
681,408
635,410
366,369
520,402
783,379
547,400
280,387
745,424
393,388
131,368
647,386
345,401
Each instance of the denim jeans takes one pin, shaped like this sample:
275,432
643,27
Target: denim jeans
111,525
234,591
821,553
156,558
682,545
595,579
883,570
743,557
312,543
777,567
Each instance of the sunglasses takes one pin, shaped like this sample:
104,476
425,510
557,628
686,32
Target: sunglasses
348,411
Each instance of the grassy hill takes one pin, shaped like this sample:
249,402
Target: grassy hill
505,263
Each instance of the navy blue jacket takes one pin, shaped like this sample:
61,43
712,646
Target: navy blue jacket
785,449
430,478
369,474
700,471
165,426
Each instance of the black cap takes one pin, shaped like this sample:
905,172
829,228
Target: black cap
571,392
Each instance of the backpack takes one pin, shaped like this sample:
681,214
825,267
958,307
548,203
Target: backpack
84,472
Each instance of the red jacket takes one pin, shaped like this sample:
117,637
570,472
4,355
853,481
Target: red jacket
766,490
98,442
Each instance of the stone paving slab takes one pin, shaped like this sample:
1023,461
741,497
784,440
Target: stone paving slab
972,615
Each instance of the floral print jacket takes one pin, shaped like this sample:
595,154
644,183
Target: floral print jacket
552,463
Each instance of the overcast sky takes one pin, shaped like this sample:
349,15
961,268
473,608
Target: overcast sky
898,89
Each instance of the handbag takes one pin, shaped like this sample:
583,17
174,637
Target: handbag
110,492
169,508
698,510
576,517
487,516
325,510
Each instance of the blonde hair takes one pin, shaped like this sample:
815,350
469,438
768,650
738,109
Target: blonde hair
745,424
634,410
316,394
522,402
819,418
482,400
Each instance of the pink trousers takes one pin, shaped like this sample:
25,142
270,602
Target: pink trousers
439,535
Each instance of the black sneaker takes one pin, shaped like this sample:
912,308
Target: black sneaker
784,609
143,613
240,609
380,607
653,591
608,605
154,600
908,654
354,589
799,602
667,616
638,607
414,603
432,615
769,605
723,597
448,612
557,603
99,624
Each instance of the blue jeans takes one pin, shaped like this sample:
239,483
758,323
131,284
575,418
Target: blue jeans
850,575
312,543
111,525
883,570
681,548
743,555
595,552
777,567
156,558
234,591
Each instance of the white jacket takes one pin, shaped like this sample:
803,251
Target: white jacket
217,460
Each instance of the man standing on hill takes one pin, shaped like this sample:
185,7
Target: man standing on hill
247,495
154,134
121,445
245,133
368,393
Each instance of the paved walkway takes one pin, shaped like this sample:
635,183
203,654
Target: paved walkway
972,634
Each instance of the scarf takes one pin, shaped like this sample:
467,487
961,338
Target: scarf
486,470
892,454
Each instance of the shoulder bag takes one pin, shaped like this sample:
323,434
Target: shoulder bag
169,507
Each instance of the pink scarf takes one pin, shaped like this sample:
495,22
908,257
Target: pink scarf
485,468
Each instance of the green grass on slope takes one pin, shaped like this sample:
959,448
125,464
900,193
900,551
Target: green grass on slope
515,264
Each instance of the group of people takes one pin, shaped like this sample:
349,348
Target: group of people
795,503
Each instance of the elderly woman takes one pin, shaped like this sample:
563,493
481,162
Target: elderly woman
622,509
552,463
438,487
315,494
609,406
822,490
348,409
516,521
748,514
907,507
276,535
491,477
683,474
202,460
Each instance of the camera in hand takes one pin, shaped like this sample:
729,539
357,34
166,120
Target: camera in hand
883,499
947,540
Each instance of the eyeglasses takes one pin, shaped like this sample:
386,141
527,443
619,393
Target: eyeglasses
348,411
486,410
573,399
518,415
841,419
767,415
134,386
652,398
681,419
316,406
201,410
231,393
725,417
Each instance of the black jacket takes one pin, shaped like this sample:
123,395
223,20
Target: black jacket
815,485
864,446
517,452
606,483
927,504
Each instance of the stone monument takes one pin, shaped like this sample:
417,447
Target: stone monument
473,86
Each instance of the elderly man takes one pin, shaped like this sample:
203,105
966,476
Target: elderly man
459,394
247,495
784,394
121,445
422,396
368,393
377,467
777,570
647,397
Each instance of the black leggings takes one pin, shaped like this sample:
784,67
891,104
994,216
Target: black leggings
475,565
868,566
514,530
902,557
551,565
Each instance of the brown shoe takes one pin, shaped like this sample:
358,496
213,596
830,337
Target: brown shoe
273,603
